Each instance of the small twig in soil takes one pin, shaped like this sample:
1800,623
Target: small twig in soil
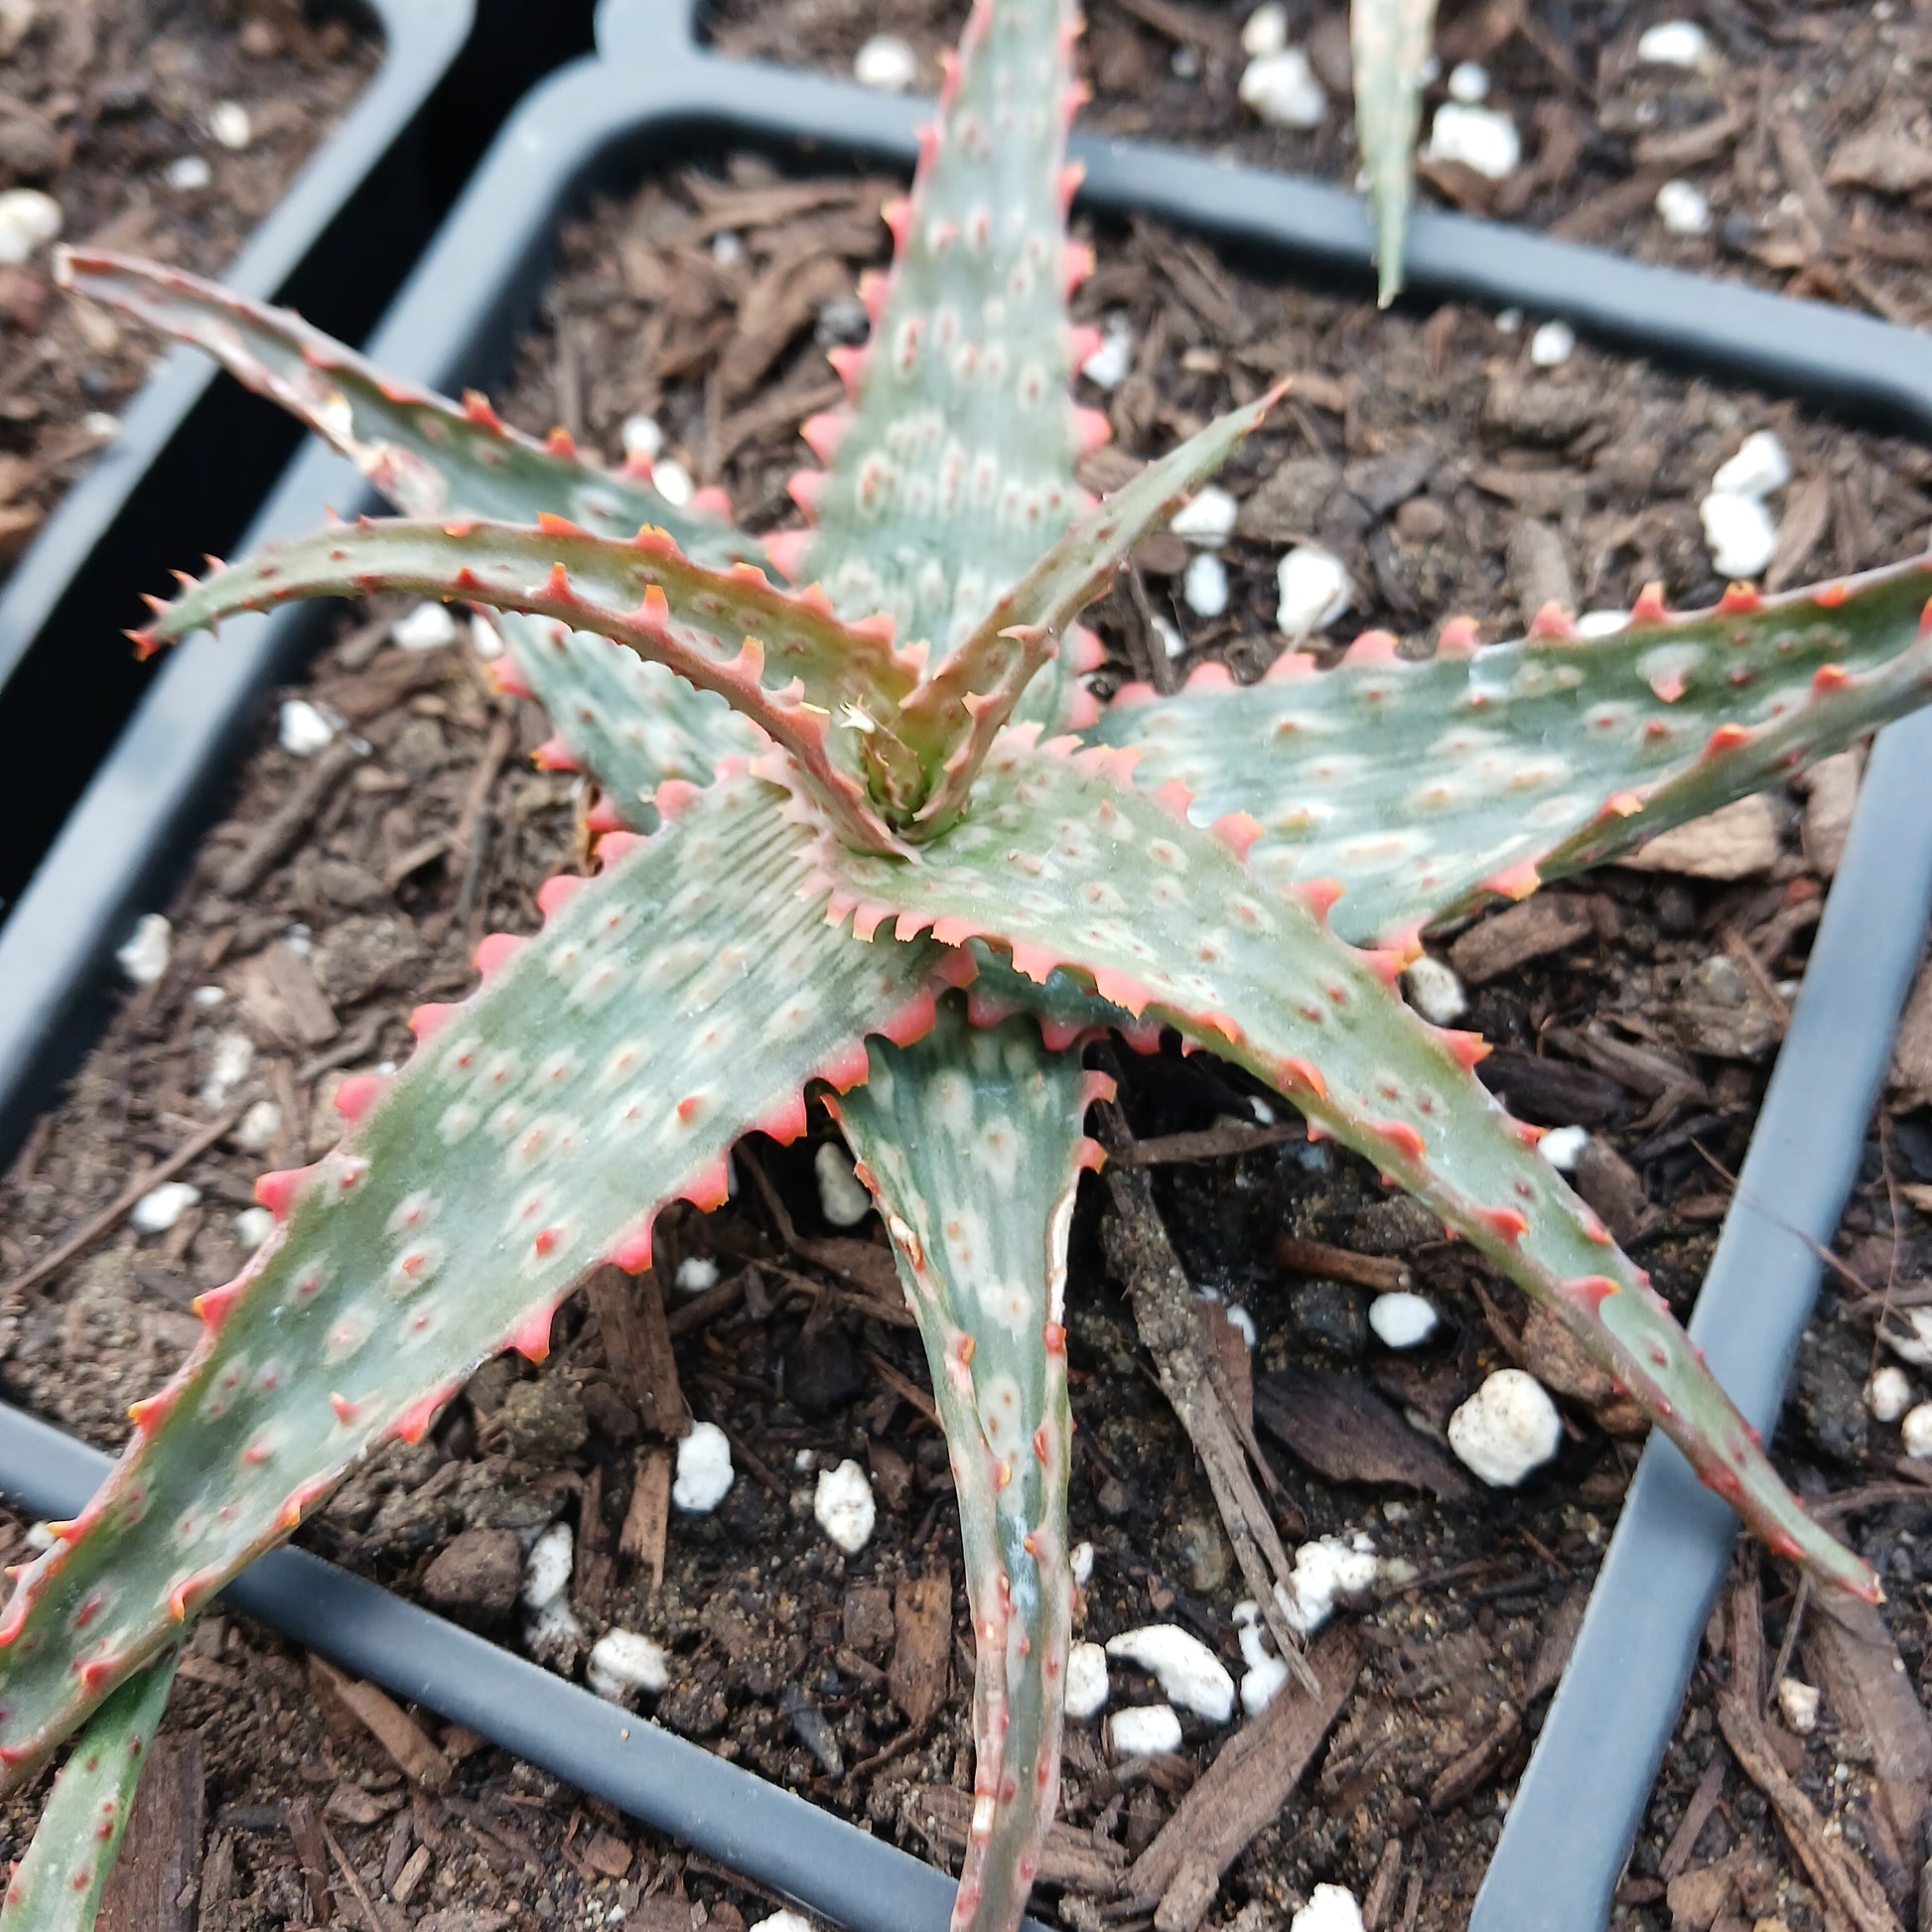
1208,1144
1341,1263
904,1387
286,824
703,1308
376,1914
646,1522
1697,1814
51,1263
1794,1623
471,838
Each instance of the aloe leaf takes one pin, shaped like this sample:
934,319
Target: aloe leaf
1389,43
955,713
1423,787
58,1883
952,467
971,1142
726,630
1067,865
427,455
605,1067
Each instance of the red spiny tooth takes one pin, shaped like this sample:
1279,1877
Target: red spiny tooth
1553,621
957,969
95,1673
1090,429
213,1307
1059,1035
560,442
786,552
557,893
1385,964
476,406
302,1499
531,1336
1174,797
898,216
1371,647
913,1021
1402,1137
1649,606
1590,1292
604,817
1082,339
553,755
1829,678
277,1191
672,796
632,1251
873,290
343,1408
804,487
1457,638
1090,1154
823,431
413,1423
1505,1223
1076,264
1211,676
711,501
948,77
1467,1049
1036,962
785,1122
1299,1075
1237,831
1068,184
1623,804
493,949
1289,666
503,675
612,847
1727,737
356,1094
425,1019
848,363
1514,881
1925,618
846,1067
712,1187
1317,894
1527,1133
554,525
1831,596
1740,598
149,1410
17,1608
928,137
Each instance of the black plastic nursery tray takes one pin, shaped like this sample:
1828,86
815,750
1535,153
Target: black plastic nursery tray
1577,1807
192,457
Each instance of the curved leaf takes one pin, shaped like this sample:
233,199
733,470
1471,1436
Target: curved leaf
1389,48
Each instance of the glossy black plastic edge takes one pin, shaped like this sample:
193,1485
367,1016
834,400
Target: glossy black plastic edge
1608,1728
755,1828
340,239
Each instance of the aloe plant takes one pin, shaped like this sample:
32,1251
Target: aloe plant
874,833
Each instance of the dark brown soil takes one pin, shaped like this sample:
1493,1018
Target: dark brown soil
100,98
783,1647
1766,133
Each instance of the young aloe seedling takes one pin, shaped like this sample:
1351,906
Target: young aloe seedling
825,809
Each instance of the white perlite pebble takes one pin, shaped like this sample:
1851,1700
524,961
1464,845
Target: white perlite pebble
703,1470
258,1127
1242,1322
1469,82
1553,345
696,1273
29,221
1086,1681
1563,1146
673,482
206,997
1401,1319
1508,1428
842,1506
1759,467
1917,1431
1603,624
1283,92
1143,1731
427,628
546,1570
1914,1346
1798,1701
1107,366
784,1922
1312,589
228,1065
1889,1393
485,638
160,1207
1331,1566
1674,44
1479,138
148,949
1206,519
841,1196
1330,1908
1682,208
621,1663
727,250
189,173
1266,1673
1435,991
302,730
252,1226
1738,533
1189,1672
101,422
1264,31
1171,641
228,122
1204,588
642,435
885,63
1080,1562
